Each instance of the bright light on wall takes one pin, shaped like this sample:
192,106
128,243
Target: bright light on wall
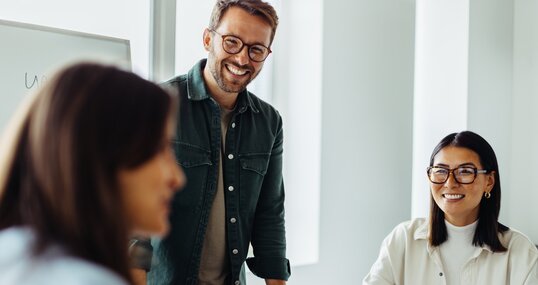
126,19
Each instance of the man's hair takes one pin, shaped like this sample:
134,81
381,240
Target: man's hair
488,214
258,8
86,124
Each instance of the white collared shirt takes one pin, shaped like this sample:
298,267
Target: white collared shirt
18,266
407,258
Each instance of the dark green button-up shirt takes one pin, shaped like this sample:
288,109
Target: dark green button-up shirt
254,190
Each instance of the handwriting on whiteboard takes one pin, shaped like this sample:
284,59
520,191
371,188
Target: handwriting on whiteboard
33,81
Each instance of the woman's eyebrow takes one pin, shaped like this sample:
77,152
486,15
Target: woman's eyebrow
463,164
467,164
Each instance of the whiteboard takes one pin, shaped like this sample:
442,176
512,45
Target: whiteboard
29,54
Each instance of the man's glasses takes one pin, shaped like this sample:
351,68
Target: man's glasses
462,174
234,45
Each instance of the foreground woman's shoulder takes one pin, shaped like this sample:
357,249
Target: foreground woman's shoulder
19,266
81,272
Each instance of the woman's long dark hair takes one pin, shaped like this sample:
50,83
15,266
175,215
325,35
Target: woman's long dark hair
89,122
488,226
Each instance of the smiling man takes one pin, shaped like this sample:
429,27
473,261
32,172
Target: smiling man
229,143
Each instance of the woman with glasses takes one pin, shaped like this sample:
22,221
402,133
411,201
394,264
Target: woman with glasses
462,241
84,165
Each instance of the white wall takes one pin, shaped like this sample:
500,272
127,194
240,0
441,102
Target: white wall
192,18
367,101
523,190
297,93
490,97
440,103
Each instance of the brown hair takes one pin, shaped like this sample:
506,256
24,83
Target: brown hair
253,7
88,122
488,226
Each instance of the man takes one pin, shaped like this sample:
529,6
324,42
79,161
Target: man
229,143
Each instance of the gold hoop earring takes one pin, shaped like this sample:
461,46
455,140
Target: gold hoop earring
487,195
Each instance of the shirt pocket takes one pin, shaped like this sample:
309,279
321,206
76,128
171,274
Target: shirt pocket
196,163
252,174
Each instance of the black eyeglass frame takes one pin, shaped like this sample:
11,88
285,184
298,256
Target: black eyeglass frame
476,171
243,44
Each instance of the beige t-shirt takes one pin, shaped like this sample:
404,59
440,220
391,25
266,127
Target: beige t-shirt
214,266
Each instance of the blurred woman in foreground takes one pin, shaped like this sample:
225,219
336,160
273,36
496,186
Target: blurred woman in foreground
86,163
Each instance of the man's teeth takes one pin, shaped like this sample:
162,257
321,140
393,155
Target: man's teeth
453,196
236,71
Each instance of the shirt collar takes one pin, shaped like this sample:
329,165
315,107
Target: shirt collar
422,233
197,91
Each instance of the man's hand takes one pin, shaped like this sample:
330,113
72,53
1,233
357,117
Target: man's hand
139,276
274,282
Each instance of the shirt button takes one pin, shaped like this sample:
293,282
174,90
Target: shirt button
230,188
237,282
230,156
233,125
233,220
235,251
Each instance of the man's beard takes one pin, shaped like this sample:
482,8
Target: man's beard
231,86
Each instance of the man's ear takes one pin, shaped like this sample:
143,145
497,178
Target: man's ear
207,38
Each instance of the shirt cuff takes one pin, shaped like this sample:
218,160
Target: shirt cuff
270,267
140,253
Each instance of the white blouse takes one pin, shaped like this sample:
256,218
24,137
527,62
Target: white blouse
407,258
457,250
18,265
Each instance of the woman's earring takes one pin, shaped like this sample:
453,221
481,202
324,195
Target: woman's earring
487,195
